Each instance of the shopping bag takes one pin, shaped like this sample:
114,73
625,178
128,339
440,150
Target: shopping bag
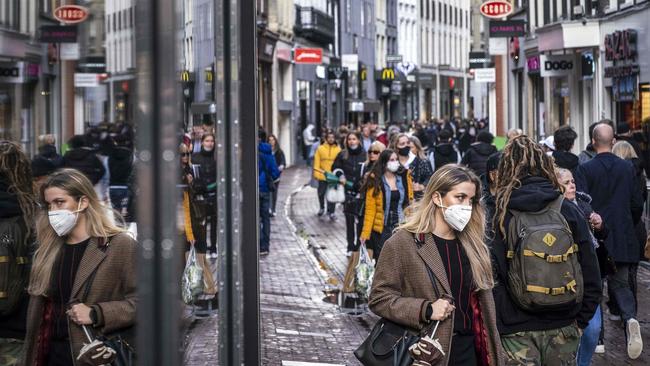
365,270
192,282
335,194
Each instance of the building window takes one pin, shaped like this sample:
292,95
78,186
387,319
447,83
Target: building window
547,12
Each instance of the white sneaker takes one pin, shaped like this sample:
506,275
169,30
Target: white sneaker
634,340
600,349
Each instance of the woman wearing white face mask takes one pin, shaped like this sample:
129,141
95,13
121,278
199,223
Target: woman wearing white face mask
83,273
388,191
444,231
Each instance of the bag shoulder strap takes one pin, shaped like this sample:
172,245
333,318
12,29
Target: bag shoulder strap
89,281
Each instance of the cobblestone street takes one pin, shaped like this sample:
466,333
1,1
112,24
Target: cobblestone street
307,258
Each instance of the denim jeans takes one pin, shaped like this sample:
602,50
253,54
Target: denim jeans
589,339
265,221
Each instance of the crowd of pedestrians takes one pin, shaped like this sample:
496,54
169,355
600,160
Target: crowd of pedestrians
520,242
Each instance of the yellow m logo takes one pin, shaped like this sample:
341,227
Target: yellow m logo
388,74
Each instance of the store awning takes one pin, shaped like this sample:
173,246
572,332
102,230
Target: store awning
569,35
205,107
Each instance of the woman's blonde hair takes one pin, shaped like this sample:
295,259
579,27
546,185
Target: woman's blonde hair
98,225
377,145
395,140
418,146
624,150
421,219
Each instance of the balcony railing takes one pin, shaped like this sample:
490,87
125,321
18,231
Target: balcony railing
314,25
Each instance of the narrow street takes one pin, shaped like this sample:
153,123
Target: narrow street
299,324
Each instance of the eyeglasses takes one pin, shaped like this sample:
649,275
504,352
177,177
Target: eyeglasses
373,152
185,154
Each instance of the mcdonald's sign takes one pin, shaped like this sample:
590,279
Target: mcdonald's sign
388,74
364,74
209,75
186,76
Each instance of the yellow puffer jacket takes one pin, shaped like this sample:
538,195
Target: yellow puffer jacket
324,159
373,219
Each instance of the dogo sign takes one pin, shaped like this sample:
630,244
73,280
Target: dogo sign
556,65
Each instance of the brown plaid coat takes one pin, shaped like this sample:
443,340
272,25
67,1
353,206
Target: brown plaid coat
113,290
401,289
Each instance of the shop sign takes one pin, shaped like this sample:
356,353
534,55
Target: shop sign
86,80
12,73
507,28
532,64
356,106
283,54
337,73
498,46
308,56
70,14
69,51
58,34
405,68
394,58
496,9
479,60
621,46
552,66
624,88
485,75
350,62
387,74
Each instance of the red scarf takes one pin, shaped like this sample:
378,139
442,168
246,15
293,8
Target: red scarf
45,333
480,332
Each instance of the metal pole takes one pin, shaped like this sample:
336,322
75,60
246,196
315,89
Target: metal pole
236,100
158,118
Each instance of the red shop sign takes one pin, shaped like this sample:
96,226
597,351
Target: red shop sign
71,14
496,8
308,56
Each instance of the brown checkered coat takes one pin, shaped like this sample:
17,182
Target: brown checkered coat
401,288
113,290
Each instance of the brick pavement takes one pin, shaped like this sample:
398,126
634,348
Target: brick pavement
297,324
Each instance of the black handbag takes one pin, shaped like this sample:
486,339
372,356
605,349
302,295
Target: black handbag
388,343
120,342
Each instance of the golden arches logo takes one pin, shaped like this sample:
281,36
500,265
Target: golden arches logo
185,76
388,74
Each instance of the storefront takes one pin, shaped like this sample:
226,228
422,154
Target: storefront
427,94
17,87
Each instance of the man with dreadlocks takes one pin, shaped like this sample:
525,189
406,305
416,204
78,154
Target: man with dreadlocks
17,206
542,299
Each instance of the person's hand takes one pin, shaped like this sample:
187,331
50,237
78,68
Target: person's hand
189,178
342,180
80,314
442,308
362,241
192,242
418,187
596,221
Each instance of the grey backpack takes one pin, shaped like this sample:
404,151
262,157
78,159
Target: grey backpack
543,272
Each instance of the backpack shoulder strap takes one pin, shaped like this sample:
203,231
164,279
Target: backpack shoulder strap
557,203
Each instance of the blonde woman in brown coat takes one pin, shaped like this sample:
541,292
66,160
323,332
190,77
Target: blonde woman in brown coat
76,240
444,231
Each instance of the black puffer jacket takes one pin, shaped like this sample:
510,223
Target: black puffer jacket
13,325
208,166
477,155
85,161
120,166
567,160
350,162
444,154
49,152
535,194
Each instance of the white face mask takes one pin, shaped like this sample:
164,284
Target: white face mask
392,166
457,216
63,221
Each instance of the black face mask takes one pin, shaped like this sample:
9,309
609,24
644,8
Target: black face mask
404,151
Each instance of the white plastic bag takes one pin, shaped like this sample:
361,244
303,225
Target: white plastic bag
192,282
335,194
365,271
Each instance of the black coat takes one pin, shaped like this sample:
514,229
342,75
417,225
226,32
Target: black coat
49,152
421,170
120,166
477,156
611,182
351,162
208,166
444,154
535,194
85,161
280,160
